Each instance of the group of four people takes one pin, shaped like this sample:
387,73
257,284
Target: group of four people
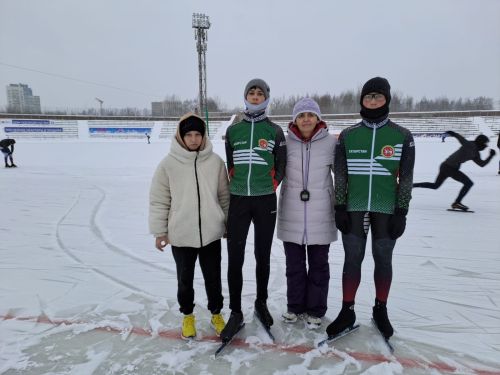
193,204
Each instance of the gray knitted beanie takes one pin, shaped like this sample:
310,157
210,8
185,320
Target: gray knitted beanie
261,84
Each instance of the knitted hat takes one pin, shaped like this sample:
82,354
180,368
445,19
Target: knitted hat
191,122
261,84
306,105
377,84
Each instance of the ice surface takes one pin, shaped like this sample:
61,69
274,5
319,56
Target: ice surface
83,290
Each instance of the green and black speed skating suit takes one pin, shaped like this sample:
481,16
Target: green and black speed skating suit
373,178
256,161
256,157
374,169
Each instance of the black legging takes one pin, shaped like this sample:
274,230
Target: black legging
446,171
354,249
243,210
185,261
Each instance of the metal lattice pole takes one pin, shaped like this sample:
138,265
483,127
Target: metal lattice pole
201,24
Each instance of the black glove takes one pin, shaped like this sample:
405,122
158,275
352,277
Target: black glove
342,219
492,152
451,132
397,223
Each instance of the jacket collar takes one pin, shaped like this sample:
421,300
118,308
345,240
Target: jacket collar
320,131
375,125
180,153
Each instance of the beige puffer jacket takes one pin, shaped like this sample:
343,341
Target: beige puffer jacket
189,196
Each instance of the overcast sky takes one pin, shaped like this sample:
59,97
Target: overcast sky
145,49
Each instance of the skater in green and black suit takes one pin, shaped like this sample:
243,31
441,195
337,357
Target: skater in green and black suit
374,162
256,161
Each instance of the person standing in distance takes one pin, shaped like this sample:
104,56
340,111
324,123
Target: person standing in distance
7,147
498,145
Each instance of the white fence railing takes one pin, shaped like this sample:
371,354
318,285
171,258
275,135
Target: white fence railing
130,129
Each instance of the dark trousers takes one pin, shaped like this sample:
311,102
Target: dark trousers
307,290
7,154
261,210
446,171
354,249
185,261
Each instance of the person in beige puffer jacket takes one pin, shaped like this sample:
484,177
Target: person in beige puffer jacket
188,206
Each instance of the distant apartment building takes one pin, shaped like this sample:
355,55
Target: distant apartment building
20,99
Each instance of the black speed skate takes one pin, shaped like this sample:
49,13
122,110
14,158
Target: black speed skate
263,314
232,327
381,319
459,206
345,320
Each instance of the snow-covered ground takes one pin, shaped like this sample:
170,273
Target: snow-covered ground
83,290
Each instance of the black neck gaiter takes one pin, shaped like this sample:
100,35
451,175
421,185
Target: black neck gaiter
375,115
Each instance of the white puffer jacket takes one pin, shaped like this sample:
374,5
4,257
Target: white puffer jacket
311,222
189,197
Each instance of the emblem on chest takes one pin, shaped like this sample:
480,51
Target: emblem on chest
263,143
387,151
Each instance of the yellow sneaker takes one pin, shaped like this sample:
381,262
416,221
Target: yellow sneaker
188,327
218,323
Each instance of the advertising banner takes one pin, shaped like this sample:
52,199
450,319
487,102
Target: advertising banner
30,129
118,131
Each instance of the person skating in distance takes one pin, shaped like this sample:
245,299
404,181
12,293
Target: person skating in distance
451,166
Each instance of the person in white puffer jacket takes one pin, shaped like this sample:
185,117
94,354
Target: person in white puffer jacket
306,220
188,206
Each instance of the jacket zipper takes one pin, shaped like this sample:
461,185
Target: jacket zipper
250,159
305,176
370,178
199,199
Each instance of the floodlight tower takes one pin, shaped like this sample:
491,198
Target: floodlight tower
100,105
201,24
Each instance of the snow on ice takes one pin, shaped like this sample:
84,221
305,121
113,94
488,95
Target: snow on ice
84,291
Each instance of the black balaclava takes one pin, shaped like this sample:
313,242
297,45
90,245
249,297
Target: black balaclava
381,86
481,142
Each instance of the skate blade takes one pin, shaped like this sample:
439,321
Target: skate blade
339,335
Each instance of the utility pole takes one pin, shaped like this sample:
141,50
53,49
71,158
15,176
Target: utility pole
201,24
100,105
